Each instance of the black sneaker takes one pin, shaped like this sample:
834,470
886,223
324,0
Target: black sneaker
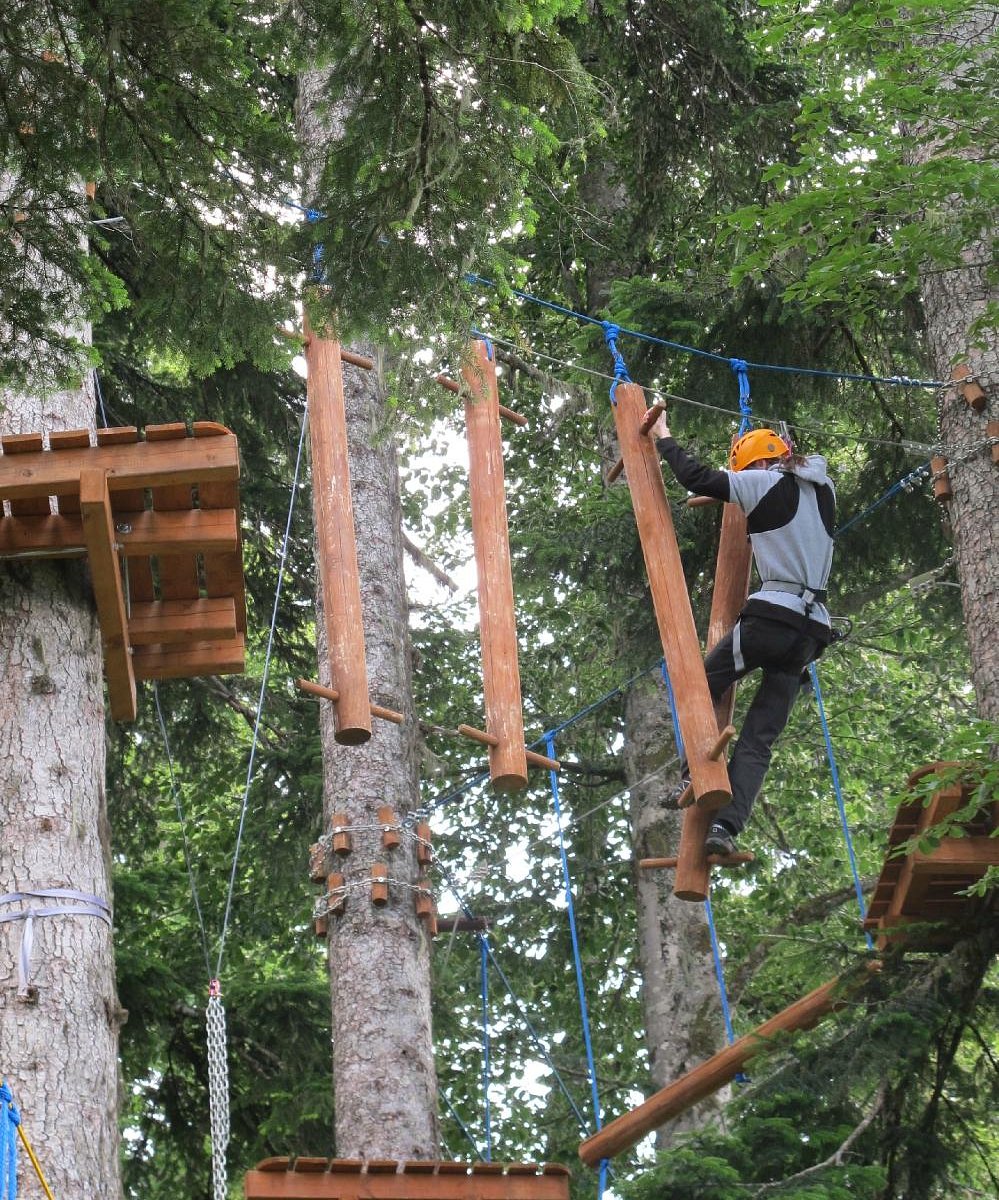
672,797
719,841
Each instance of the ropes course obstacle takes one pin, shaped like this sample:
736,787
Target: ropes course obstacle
157,519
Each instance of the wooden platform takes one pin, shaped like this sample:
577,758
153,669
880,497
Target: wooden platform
923,887
157,516
386,1179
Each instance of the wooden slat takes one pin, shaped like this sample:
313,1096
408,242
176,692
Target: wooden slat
224,569
142,464
139,534
168,622
201,658
450,1181
95,507
956,856
490,534
25,443
68,439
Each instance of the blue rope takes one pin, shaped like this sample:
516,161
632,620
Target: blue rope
10,1118
741,369
484,977
902,485
486,338
611,334
576,956
813,672
677,735
461,1125
897,380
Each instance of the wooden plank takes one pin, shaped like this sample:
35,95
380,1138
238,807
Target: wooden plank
128,465
490,534
171,621
25,443
68,439
452,1181
224,570
336,549
95,509
139,534
956,856
709,1076
199,658
670,599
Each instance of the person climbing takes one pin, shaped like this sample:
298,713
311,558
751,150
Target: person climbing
790,507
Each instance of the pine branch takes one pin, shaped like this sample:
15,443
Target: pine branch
836,1158
422,559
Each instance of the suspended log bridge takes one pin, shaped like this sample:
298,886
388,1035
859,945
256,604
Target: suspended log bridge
695,710
156,516
720,1069
918,902
490,533
386,1179
336,548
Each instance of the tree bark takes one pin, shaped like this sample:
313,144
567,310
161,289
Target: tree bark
383,1068
952,301
683,1018
59,1027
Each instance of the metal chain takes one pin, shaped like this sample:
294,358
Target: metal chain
218,1089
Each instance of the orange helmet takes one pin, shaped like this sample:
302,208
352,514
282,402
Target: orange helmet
757,444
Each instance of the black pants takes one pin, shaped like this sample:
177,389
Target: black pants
781,652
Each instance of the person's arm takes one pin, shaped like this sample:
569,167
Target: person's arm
693,475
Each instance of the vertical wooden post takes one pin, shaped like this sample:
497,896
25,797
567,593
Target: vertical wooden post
735,559
335,545
490,533
670,599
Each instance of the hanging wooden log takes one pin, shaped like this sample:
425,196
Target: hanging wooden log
732,570
969,389
335,545
497,623
695,711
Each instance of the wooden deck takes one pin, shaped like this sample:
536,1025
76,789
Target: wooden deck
917,899
157,517
386,1179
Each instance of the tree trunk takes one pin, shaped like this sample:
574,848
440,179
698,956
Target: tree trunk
383,1068
59,1025
683,1019
952,301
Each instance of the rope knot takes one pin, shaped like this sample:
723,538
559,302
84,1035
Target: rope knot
611,333
741,369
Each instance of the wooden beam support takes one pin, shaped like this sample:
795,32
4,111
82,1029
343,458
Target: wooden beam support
335,541
732,570
704,1080
670,599
98,532
139,534
127,465
196,658
490,533
168,622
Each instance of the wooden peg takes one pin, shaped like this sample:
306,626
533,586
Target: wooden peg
424,898
320,926
726,735
379,884
969,389
390,828
424,851
336,894
341,838
738,859
992,430
318,865
942,490
652,415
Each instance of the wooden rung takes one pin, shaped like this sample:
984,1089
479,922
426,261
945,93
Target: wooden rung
739,859
942,490
325,693
424,850
318,862
651,416
200,658
490,739
992,432
340,830
172,621
702,501
95,508
515,418
356,360
379,885
971,391
391,837
718,748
